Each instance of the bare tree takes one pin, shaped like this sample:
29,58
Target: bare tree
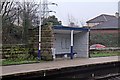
28,10
72,21
28,16
8,11
8,14
22,15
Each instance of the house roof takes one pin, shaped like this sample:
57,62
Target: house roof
111,24
101,18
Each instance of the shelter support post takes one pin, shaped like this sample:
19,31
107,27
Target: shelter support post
71,56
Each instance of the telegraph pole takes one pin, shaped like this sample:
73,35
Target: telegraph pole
44,13
45,8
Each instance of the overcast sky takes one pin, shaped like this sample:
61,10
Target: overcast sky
79,11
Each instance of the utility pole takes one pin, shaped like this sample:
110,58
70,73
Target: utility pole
45,8
44,13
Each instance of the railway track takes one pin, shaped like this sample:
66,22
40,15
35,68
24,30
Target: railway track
109,77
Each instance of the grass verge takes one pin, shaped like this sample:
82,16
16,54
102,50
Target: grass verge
11,62
104,54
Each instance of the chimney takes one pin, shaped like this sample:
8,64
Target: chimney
117,15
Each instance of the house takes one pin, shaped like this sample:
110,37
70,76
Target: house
70,41
104,30
101,19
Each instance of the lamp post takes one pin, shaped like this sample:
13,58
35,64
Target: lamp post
39,44
43,10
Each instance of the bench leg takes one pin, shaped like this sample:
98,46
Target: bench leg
54,57
75,55
65,56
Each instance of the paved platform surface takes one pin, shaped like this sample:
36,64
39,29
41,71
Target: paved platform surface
57,64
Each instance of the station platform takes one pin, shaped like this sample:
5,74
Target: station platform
54,65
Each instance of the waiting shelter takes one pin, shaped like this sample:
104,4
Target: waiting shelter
70,41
